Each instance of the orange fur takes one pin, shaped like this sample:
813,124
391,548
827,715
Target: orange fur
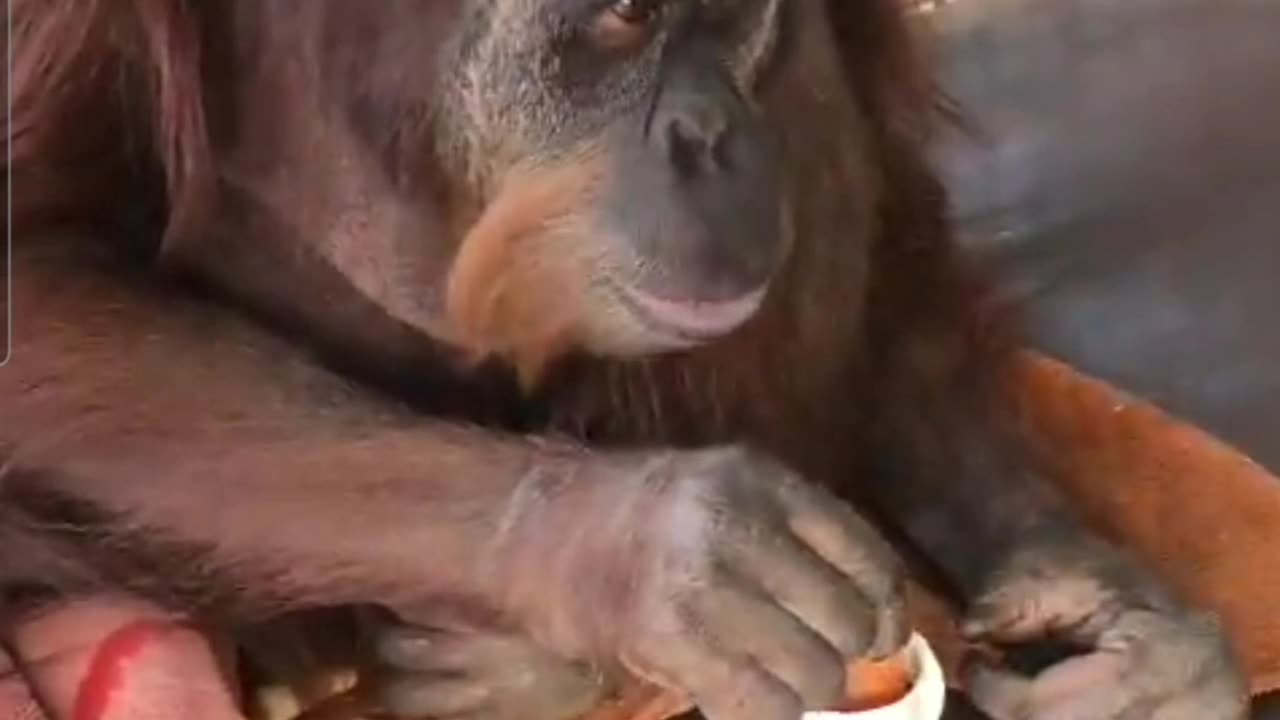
517,284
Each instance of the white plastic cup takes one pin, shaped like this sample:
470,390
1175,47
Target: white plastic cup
924,701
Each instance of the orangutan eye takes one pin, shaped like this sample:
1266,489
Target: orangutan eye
626,25
636,12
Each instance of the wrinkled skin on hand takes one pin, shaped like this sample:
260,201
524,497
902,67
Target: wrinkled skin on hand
1138,653
717,573
725,576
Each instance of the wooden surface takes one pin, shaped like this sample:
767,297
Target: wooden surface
1204,514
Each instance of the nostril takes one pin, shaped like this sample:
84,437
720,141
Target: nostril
694,140
684,149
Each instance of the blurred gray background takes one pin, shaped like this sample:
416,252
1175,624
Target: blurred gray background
1128,186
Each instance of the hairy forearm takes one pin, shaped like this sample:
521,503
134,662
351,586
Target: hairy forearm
141,430
311,520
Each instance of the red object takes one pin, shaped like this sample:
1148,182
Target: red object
107,670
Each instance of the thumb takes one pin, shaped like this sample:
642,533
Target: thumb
1004,617
1028,609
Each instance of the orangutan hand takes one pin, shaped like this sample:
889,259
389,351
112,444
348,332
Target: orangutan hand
1140,654
466,674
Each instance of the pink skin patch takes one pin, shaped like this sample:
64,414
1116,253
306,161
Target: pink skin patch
112,658
108,673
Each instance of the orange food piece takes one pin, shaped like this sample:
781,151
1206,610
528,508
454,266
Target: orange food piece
869,685
872,684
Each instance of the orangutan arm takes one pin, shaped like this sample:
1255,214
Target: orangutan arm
169,426
165,446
